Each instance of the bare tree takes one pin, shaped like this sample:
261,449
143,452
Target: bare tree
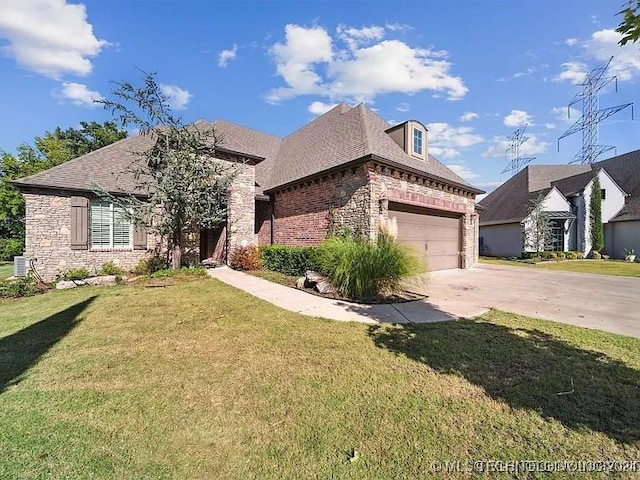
538,226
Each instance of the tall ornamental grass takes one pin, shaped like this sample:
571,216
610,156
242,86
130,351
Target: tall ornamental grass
363,269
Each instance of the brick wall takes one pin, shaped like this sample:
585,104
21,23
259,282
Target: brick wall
263,223
48,239
302,213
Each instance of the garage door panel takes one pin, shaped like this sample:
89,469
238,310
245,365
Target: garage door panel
434,236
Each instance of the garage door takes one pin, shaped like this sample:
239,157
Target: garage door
435,235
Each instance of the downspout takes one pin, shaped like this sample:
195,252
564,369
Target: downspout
272,230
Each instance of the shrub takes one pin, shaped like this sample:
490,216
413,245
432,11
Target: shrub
596,255
571,255
246,258
23,287
182,272
363,269
75,274
293,261
10,247
149,265
579,255
551,255
111,268
561,255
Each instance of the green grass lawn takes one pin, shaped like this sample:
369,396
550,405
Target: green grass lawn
6,270
199,380
604,267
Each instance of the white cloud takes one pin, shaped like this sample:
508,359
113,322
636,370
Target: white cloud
50,37
566,116
549,126
177,97
468,116
462,170
310,64
319,108
446,141
78,94
398,27
530,148
403,107
517,118
601,46
573,72
226,56
529,71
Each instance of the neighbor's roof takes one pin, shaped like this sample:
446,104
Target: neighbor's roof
510,202
342,135
625,170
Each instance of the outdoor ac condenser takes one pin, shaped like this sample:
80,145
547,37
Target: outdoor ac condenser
20,266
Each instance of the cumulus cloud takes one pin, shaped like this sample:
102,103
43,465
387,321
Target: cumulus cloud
468,116
600,47
566,115
462,170
311,62
226,56
78,94
517,118
319,108
531,147
177,97
571,41
446,141
50,37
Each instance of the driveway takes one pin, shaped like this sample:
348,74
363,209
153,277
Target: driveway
603,302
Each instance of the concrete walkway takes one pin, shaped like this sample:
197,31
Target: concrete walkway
420,311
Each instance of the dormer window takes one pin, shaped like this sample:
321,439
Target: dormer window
418,136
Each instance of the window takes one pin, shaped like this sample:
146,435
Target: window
603,194
556,240
417,141
109,227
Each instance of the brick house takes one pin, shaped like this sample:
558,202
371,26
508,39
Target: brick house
346,168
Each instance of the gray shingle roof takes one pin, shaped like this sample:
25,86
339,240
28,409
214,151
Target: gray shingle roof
625,170
342,135
571,185
510,201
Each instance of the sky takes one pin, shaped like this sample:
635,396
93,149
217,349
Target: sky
473,72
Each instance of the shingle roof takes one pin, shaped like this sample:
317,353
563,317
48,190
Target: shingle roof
510,201
571,185
342,135
625,170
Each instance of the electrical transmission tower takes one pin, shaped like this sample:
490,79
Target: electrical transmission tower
592,115
516,162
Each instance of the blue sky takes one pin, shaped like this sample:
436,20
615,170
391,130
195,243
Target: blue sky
472,71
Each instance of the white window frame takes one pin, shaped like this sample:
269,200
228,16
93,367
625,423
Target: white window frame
129,245
413,142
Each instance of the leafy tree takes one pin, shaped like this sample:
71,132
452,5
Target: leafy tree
186,189
630,25
595,216
538,227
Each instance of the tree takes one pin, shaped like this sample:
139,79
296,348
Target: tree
630,25
595,216
537,226
185,189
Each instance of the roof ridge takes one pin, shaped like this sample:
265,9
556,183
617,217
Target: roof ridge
364,130
244,126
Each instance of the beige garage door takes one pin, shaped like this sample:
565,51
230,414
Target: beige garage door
436,236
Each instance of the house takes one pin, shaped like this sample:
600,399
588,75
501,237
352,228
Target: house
566,189
347,168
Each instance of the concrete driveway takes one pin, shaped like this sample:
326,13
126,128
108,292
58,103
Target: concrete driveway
603,302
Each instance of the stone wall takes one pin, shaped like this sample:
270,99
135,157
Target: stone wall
242,208
48,239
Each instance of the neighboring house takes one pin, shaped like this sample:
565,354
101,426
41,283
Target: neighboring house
566,189
347,168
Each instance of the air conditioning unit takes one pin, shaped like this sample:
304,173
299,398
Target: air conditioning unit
20,266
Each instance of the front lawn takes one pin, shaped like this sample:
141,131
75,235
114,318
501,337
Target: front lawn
6,270
199,380
603,267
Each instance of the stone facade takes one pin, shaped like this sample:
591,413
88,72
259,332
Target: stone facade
241,209
356,197
48,239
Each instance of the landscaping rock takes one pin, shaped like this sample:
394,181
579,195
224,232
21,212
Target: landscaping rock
300,283
323,287
65,285
103,280
313,277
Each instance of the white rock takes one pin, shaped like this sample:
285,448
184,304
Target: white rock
103,280
323,287
65,285
300,283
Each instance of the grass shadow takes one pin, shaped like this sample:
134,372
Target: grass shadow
23,349
528,369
